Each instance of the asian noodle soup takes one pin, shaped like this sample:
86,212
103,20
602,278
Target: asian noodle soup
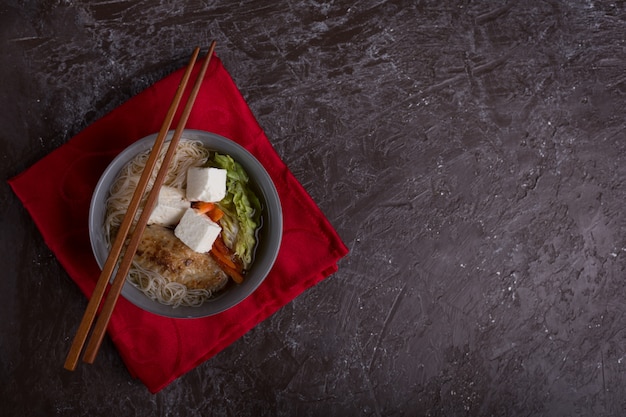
164,268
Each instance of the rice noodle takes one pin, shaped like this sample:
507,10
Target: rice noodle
188,153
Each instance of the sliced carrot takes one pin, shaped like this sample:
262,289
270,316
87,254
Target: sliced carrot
202,206
224,257
227,260
216,214
233,273
210,209
220,245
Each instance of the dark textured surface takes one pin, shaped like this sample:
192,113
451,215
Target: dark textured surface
471,155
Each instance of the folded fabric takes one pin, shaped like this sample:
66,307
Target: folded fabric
57,190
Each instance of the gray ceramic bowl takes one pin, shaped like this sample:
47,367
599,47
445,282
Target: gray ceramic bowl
269,235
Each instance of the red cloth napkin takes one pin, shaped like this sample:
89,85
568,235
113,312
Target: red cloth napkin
57,191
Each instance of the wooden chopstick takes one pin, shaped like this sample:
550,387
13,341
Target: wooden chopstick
96,298
109,265
120,277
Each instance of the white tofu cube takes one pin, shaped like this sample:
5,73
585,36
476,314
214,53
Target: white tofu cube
170,207
197,231
206,184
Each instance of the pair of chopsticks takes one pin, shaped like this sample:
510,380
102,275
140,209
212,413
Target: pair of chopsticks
124,266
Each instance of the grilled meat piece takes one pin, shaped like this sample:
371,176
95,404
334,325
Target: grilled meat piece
162,252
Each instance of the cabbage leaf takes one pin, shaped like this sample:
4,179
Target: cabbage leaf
242,209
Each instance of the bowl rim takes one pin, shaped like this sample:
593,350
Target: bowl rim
260,268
